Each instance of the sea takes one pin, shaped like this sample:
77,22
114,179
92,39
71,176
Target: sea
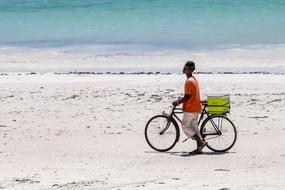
142,35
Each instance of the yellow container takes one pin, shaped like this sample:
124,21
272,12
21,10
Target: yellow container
218,99
219,109
218,103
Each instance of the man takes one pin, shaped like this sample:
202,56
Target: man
191,106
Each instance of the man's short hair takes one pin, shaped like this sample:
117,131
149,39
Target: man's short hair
190,65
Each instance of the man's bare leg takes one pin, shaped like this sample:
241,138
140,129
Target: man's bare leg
200,143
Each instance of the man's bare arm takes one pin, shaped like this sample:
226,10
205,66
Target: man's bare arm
182,100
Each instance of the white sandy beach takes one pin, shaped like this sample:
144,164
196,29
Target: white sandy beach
87,132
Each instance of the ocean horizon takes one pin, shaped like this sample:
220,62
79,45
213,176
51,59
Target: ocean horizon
154,35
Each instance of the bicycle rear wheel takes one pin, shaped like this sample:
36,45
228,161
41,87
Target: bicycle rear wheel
220,133
161,133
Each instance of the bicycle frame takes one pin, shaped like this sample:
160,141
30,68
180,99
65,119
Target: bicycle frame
179,111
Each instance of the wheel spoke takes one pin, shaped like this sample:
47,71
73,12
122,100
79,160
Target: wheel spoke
212,138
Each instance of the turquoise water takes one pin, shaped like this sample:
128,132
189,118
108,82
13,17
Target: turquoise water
155,22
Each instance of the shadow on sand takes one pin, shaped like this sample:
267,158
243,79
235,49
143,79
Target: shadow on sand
188,154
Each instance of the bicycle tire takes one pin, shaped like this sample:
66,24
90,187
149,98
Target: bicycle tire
173,127
215,137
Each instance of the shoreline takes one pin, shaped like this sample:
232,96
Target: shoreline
136,59
137,73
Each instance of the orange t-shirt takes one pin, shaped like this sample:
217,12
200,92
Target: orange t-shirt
191,88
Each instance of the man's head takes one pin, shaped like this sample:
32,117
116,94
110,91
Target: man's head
189,67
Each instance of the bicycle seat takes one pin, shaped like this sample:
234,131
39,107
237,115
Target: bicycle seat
204,102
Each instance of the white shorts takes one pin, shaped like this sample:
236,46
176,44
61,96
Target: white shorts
190,124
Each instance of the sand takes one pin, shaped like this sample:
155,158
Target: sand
73,131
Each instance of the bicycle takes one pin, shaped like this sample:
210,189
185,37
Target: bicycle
162,131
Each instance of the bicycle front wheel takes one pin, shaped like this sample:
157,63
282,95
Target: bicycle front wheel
220,133
161,133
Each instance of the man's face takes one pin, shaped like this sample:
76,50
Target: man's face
187,70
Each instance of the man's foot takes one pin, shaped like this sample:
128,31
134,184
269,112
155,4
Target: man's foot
200,148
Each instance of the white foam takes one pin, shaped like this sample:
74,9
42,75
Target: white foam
131,58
